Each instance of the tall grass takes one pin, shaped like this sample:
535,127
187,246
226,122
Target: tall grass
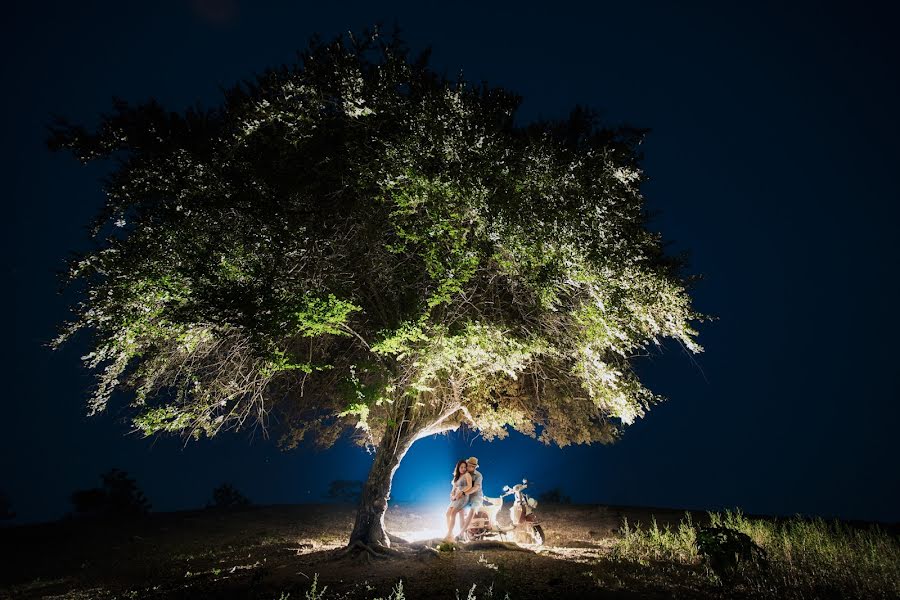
808,557
654,544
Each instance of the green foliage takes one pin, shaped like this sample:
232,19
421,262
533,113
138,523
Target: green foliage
363,389
400,341
433,217
163,418
318,316
280,362
357,241
479,351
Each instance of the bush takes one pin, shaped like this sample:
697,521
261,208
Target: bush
726,550
345,490
90,503
119,497
555,496
226,496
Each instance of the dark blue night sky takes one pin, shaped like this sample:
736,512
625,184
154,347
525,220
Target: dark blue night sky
773,158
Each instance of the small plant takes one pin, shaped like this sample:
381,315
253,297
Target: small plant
314,593
488,594
471,595
396,593
489,565
226,496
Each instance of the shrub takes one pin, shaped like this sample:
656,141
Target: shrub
90,503
726,550
118,497
345,490
226,496
555,496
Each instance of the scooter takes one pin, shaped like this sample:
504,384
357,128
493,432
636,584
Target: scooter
521,516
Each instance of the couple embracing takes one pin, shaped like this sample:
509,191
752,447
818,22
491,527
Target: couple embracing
466,494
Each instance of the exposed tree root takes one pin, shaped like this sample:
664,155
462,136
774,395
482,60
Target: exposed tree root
360,551
396,539
493,545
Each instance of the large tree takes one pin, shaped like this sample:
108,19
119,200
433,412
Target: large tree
355,242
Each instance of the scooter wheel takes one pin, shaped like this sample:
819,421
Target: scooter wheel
537,532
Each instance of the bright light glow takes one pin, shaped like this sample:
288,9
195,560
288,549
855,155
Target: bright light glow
431,524
422,534
427,525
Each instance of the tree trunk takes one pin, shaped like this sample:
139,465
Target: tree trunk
396,441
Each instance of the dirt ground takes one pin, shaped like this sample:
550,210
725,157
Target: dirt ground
275,553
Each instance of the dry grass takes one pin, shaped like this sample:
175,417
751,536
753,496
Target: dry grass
807,557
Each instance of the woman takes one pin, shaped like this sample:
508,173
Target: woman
461,481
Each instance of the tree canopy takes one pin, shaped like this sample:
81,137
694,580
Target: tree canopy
355,241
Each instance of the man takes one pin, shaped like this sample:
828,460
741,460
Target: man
473,492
